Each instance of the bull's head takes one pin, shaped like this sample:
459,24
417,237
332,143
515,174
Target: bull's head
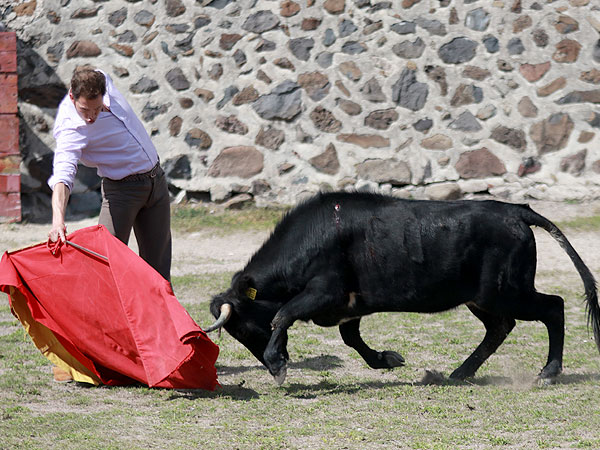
247,320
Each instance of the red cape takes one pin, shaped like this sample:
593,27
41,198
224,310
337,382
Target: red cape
113,321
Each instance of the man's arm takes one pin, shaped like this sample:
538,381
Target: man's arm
60,198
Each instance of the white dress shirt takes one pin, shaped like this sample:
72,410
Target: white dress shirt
116,144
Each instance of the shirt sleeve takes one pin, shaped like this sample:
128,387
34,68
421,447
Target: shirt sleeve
69,145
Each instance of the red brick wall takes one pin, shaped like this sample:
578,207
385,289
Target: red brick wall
10,157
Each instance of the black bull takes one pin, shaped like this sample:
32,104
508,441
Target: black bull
341,256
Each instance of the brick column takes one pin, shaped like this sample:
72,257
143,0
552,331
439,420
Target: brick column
10,157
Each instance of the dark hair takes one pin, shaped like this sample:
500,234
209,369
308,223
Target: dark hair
87,82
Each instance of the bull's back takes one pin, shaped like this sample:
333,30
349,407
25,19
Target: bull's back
432,256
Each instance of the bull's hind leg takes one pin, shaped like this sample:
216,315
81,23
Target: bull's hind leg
497,328
377,360
550,310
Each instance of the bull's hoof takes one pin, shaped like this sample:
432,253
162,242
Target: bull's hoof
461,374
391,359
550,372
280,376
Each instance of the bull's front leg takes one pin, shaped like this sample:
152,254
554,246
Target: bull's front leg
350,332
320,294
276,355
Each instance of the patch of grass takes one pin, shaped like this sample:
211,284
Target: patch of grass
591,223
191,218
205,284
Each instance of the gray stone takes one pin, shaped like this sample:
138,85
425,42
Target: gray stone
177,28
346,28
231,124
329,37
592,96
409,50
301,48
174,8
260,22
197,138
423,125
540,37
185,44
201,21
409,93
364,140
527,108
315,84
349,107
354,48
150,111
240,58
596,52
175,126
382,119
270,138
127,36
283,103
350,70
396,173
144,18
265,46
437,142
145,85
434,27
229,93
217,4
241,161
404,27
177,79
324,120
327,162
479,164
477,19
458,50
466,122
372,91
380,6
467,94
215,72
515,46
491,43
487,112
574,164
443,191
552,134
178,168
324,59
116,18
83,49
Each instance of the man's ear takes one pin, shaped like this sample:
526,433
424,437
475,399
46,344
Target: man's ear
71,96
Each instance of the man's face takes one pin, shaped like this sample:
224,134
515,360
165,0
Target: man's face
88,108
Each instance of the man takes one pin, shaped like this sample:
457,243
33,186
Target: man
97,126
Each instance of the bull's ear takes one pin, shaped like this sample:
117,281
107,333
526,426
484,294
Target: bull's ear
243,284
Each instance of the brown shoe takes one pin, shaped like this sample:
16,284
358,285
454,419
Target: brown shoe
60,375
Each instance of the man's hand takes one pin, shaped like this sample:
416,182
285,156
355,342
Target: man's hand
58,232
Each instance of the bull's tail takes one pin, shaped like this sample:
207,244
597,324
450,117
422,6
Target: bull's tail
530,217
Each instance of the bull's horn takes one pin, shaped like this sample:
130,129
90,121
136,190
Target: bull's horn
226,311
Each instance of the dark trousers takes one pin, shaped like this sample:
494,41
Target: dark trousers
140,202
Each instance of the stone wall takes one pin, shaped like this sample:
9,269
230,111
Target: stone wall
279,99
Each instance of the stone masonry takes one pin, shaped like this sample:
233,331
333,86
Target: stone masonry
280,99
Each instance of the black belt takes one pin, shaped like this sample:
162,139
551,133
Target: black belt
152,173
